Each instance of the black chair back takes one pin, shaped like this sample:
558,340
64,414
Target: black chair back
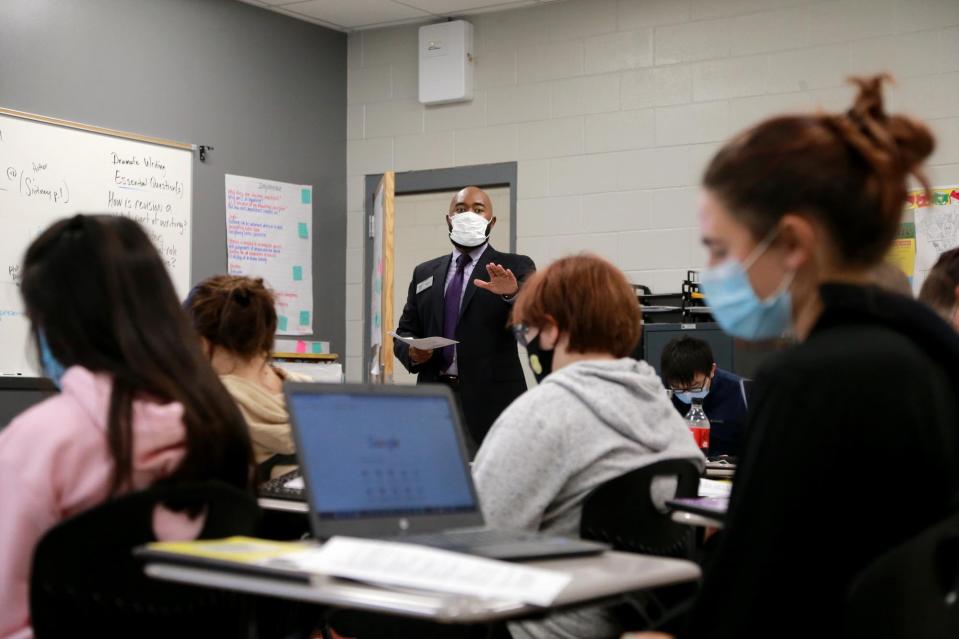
87,583
621,512
911,592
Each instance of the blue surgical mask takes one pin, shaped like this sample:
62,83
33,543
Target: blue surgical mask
687,397
52,367
735,305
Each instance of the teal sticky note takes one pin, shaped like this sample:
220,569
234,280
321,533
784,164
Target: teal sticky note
302,230
282,322
306,195
317,348
304,318
297,273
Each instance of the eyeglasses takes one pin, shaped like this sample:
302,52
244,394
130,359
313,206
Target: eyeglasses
521,333
692,389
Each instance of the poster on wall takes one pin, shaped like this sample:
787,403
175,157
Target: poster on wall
903,251
937,227
381,284
376,285
269,226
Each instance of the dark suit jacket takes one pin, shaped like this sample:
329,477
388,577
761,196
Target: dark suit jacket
489,369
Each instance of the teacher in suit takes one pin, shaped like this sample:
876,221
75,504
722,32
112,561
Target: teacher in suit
450,296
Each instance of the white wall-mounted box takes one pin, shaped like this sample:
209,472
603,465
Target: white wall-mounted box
446,62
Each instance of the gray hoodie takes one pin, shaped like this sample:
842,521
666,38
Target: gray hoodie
585,424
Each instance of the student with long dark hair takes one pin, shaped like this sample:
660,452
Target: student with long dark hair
852,444
138,402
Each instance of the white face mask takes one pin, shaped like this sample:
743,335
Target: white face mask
469,229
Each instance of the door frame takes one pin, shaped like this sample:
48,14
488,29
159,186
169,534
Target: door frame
501,174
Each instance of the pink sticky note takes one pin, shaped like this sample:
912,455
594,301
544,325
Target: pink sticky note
300,346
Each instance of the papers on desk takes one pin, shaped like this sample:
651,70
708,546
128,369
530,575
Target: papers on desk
424,343
411,566
376,562
714,488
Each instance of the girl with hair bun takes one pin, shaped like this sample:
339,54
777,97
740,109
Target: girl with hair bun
235,317
852,445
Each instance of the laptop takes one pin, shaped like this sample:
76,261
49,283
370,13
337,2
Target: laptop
390,462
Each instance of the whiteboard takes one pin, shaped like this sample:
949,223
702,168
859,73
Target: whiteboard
50,170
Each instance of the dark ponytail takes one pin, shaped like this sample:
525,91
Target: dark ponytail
849,170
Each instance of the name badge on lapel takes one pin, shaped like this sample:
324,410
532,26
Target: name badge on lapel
425,284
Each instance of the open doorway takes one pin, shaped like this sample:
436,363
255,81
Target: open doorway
420,234
421,202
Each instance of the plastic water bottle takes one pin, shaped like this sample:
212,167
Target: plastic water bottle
699,425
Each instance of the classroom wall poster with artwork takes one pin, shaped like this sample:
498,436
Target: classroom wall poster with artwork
381,288
268,234
376,287
936,227
903,252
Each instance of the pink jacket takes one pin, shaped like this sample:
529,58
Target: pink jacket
55,462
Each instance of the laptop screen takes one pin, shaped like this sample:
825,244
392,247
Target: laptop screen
368,455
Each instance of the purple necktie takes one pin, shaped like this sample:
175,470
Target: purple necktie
451,307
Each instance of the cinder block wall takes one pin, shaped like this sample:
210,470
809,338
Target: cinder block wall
612,108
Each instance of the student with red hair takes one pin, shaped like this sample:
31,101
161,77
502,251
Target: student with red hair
596,414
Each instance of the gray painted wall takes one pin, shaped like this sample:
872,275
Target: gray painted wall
267,91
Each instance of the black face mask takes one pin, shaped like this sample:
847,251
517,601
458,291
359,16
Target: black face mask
540,361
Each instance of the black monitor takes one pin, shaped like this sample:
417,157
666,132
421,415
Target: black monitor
658,335
729,354
17,394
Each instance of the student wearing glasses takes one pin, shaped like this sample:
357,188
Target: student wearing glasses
690,372
595,415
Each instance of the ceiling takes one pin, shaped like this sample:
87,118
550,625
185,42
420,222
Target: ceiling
353,15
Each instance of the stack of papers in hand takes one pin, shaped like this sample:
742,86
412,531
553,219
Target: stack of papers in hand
425,343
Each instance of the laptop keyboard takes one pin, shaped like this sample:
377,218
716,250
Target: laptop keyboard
277,487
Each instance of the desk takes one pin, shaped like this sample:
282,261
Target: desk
719,470
595,579
691,519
